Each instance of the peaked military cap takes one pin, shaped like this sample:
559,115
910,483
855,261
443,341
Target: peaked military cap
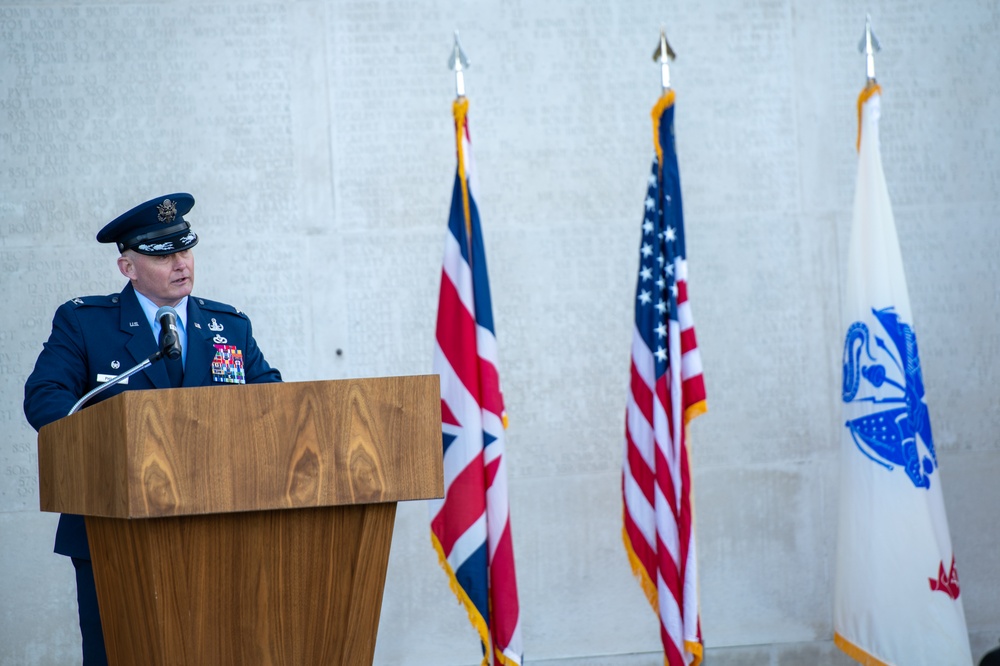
155,227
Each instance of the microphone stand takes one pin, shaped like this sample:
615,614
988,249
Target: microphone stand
153,358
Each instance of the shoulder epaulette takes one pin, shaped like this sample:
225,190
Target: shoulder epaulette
99,301
216,306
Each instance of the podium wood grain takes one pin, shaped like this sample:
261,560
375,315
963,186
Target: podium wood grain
247,524
295,587
145,454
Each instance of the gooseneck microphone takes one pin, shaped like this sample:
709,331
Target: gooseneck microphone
170,347
170,336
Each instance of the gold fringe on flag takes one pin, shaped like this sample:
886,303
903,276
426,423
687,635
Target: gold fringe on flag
475,617
856,653
665,102
460,108
651,595
871,89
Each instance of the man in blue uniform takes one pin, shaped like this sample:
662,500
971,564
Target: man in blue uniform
95,338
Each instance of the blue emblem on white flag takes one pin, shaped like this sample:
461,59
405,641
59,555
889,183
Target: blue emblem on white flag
889,437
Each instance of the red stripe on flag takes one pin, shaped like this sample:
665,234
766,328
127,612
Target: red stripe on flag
641,548
641,394
694,392
669,572
641,473
456,336
503,590
665,481
673,653
686,485
688,340
663,396
446,416
491,471
490,397
465,502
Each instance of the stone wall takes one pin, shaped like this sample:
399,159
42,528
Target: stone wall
317,139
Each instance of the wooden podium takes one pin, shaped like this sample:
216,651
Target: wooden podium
244,524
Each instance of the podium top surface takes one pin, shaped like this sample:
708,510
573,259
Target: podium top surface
190,451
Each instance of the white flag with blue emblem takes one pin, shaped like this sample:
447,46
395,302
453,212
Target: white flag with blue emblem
897,598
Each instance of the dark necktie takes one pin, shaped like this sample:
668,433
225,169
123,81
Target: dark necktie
175,371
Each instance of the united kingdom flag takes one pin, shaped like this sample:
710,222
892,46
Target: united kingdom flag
470,527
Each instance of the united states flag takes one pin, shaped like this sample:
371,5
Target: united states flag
470,528
667,390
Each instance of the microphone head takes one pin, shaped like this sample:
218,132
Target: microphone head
170,343
166,309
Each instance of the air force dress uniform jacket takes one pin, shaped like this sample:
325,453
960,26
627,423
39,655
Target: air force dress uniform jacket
98,337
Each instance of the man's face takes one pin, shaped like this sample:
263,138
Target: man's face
164,279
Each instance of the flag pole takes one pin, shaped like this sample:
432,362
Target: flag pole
458,63
869,45
663,55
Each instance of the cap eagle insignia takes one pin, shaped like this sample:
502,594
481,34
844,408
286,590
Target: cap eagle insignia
166,211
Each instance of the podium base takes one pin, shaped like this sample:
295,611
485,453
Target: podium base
291,587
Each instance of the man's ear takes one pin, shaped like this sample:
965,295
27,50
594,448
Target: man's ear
126,267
